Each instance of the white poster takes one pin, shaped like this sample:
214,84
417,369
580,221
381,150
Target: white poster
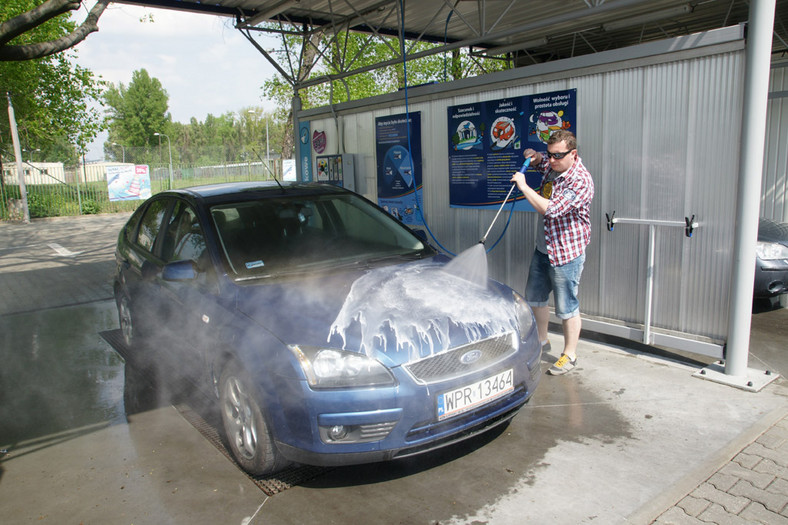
128,182
288,169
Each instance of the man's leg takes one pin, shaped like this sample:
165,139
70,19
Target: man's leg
571,328
537,293
566,280
542,316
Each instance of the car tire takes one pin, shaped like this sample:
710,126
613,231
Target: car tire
245,428
126,319
139,390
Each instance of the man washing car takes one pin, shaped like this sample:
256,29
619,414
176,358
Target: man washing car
563,201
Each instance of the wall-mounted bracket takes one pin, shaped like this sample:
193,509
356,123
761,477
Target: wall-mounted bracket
690,225
611,221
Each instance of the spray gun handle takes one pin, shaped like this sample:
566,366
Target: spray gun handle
525,165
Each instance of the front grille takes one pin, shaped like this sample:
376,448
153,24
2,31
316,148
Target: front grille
376,431
449,365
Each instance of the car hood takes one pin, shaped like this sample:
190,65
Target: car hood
395,313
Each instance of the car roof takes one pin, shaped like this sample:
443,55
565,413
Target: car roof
241,191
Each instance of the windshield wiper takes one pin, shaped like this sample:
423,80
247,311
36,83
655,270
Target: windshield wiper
410,256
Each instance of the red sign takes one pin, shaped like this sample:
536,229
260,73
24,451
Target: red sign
319,141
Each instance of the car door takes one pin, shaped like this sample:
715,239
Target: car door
139,264
189,292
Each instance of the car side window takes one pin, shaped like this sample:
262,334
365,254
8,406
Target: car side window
151,223
130,230
184,239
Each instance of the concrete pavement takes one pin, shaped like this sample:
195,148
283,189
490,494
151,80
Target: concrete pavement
627,438
57,262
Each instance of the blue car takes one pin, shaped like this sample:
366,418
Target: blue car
328,332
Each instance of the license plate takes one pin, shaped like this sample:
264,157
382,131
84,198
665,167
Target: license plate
471,396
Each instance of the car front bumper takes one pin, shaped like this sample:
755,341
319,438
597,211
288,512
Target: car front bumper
771,278
380,424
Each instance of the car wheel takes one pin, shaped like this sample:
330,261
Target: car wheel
245,428
139,389
126,320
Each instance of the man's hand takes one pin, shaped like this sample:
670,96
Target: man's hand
519,179
534,155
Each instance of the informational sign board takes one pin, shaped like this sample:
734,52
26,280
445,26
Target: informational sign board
336,169
128,182
289,170
398,149
487,140
305,150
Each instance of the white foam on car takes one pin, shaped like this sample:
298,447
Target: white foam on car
417,305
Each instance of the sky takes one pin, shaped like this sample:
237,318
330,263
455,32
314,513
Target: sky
205,65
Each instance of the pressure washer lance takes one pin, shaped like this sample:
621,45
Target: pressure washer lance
522,170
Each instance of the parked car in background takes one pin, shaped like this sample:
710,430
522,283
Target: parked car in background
327,331
771,265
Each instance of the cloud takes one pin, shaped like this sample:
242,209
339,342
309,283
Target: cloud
204,64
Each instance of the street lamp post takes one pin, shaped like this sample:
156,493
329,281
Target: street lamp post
31,151
123,149
267,151
169,149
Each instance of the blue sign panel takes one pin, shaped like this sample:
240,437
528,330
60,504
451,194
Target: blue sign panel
398,149
305,150
487,140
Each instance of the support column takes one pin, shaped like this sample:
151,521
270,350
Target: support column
753,133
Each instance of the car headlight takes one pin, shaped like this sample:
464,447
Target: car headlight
525,317
331,368
771,250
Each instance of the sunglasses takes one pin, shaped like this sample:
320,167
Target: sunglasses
558,156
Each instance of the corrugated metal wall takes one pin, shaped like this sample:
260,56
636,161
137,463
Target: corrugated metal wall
660,136
774,194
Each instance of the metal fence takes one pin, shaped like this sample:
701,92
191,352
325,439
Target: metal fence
53,190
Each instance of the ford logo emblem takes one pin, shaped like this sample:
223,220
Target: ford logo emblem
470,357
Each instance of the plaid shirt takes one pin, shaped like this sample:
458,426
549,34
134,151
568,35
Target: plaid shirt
567,220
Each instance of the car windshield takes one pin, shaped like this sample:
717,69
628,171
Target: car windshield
276,236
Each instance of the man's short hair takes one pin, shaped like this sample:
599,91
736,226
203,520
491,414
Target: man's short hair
565,135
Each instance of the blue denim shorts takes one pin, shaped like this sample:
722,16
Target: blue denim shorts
563,281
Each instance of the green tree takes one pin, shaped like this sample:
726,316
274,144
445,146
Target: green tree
54,100
232,137
136,112
261,130
24,27
315,56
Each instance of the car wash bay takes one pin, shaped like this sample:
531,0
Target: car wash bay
86,440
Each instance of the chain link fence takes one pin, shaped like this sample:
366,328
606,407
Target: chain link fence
55,190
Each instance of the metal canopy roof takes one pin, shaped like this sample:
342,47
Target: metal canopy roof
533,31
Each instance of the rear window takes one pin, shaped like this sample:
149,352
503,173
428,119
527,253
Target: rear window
291,234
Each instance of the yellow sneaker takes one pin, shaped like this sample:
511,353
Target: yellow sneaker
562,366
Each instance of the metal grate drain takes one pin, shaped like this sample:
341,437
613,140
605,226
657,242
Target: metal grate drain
270,485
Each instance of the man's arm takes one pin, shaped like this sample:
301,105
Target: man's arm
538,202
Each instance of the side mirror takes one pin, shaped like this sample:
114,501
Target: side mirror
179,271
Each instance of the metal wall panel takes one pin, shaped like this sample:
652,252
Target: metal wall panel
774,194
660,137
